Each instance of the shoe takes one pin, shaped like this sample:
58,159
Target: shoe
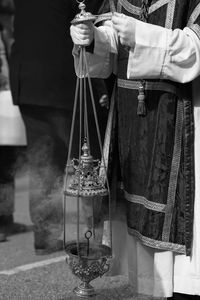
3,236
13,228
16,228
58,246
3,228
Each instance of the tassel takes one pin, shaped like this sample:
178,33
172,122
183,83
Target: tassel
141,108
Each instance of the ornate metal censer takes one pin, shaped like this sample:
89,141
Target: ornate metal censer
86,182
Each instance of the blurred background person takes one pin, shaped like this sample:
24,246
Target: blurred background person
12,131
43,85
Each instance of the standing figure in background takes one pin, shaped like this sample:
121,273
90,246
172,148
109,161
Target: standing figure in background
12,131
7,153
43,85
154,48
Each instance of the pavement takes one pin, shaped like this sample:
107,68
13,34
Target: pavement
26,276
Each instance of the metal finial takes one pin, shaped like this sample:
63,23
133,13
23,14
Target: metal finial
85,149
82,7
83,16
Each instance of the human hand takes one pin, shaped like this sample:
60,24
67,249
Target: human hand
104,101
125,27
82,34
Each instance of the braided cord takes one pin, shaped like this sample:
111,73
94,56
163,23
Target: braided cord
141,109
144,11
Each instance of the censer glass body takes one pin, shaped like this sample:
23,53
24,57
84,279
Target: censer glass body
86,183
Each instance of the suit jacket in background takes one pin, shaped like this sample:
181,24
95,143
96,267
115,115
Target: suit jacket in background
41,64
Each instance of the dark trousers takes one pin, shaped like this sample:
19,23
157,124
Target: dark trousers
48,131
7,173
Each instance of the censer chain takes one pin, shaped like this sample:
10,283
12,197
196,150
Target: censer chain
99,139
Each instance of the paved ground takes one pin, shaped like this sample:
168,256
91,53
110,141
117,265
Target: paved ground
25,276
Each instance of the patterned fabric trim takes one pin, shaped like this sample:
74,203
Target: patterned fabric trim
170,14
188,145
119,7
129,7
107,139
196,29
158,5
136,10
194,15
157,244
150,85
145,202
112,6
174,172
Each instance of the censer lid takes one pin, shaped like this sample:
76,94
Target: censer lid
86,181
83,16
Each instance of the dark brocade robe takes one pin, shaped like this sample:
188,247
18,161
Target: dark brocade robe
157,151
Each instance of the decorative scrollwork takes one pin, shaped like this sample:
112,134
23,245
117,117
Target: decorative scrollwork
87,272
86,180
87,268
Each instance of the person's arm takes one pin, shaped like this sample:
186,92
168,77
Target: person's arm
162,53
102,61
158,52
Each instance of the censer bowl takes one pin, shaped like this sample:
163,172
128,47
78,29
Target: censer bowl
87,264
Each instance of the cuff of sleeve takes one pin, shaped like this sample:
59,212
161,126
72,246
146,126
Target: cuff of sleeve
101,44
146,58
